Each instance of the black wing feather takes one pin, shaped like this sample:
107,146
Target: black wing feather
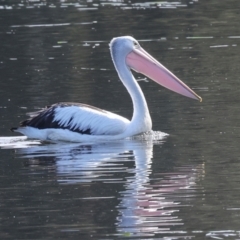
45,118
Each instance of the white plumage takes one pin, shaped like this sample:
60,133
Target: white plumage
99,121
82,123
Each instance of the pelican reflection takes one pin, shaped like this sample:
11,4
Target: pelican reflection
149,202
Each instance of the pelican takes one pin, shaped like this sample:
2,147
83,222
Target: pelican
77,122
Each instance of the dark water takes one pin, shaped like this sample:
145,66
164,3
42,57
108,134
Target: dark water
184,186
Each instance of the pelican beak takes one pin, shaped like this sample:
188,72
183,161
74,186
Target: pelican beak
140,61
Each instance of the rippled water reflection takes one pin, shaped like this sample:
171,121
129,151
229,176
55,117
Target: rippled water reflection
95,5
185,186
145,204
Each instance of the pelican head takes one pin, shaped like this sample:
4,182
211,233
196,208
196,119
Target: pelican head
137,59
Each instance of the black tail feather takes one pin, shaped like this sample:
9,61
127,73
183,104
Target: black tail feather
13,129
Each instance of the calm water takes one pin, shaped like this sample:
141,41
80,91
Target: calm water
183,186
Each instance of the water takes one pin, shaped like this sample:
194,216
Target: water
181,186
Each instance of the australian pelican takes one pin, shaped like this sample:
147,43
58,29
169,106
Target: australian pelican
78,122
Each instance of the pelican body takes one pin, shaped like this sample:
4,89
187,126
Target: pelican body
78,122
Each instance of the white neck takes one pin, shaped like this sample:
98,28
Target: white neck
141,120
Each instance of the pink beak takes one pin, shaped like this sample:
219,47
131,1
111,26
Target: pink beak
140,61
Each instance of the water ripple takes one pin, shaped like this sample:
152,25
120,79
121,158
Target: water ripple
147,205
95,5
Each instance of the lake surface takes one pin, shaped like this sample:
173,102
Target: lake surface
185,185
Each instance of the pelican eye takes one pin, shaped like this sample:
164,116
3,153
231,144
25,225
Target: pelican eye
136,44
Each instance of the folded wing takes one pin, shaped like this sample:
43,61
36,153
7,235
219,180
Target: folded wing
77,117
